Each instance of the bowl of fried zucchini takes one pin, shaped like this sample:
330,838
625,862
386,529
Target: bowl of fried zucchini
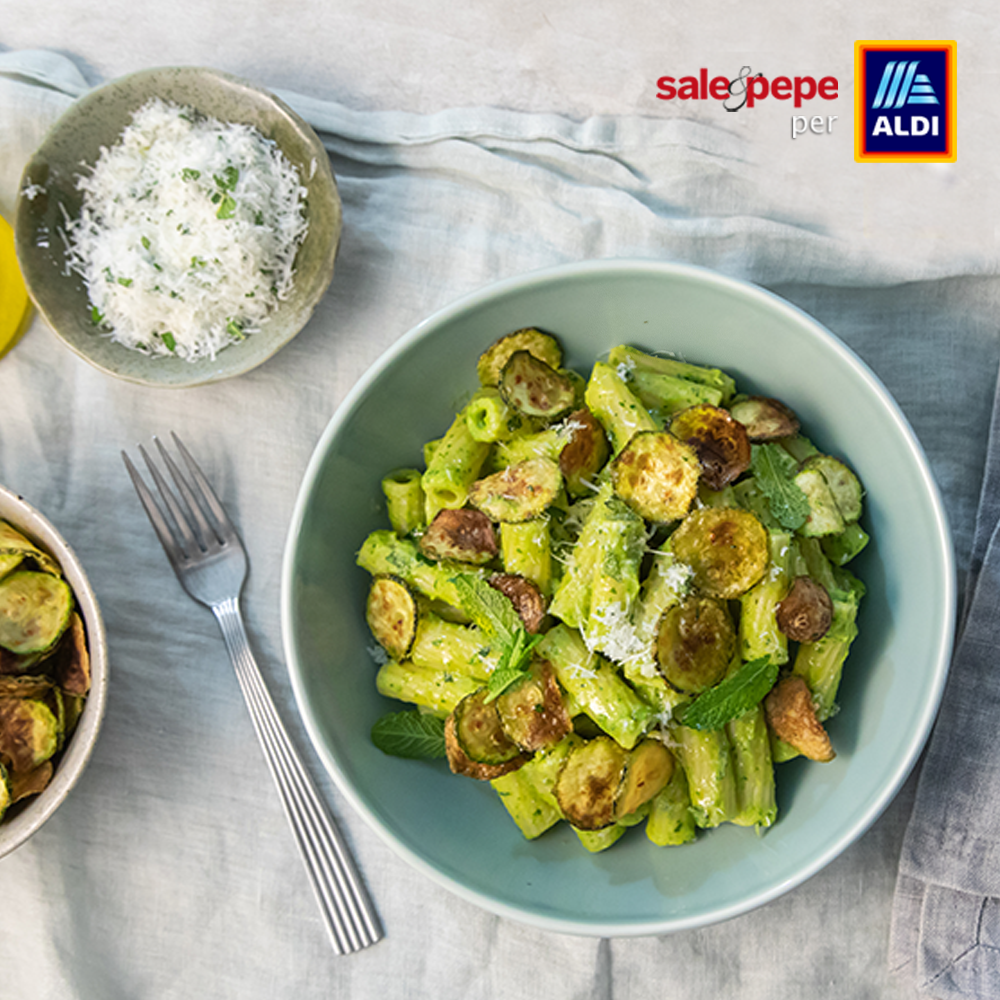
53,670
601,602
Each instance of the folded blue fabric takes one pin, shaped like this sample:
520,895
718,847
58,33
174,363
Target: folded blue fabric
946,916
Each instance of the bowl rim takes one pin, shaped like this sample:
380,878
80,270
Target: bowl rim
942,542
206,371
16,831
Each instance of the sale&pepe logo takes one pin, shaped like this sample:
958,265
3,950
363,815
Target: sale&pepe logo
906,102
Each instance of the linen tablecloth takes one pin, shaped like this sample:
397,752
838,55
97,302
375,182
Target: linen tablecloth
170,871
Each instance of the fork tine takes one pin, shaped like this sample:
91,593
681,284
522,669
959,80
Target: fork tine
208,493
160,524
187,540
209,532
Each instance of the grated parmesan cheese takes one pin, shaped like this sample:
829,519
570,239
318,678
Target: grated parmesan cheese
187,235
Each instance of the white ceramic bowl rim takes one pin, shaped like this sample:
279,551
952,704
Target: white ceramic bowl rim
941,542
17,829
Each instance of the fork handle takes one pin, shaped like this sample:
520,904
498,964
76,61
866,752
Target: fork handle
347,909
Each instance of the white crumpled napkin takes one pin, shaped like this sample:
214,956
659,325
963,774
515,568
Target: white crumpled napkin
946,916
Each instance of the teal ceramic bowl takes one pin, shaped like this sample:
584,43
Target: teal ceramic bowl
48,193
455,829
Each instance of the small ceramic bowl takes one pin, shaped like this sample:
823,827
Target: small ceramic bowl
456,830
96,120
24,818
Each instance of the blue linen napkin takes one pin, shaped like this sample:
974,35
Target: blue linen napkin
946,913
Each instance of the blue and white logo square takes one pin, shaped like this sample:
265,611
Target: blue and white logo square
906,101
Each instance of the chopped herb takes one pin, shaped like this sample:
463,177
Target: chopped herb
235,329
190,174
96,316
228,179
168,340
227,208
145,242
125,281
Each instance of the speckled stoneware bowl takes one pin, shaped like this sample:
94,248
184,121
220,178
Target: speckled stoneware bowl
24,818
456,830
96,120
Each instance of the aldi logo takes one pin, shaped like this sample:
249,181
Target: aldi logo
905,102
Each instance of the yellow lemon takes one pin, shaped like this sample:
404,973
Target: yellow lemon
15,306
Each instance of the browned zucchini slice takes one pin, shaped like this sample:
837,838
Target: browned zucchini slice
13,542
520,492
585,452
720,442
460,534
34,611
725,548
695,643
70,664
589,781
656,474
792,716
527,599
534,388
29,733
806,611
478,739
33,782
532,712
649,768
844,485
391,613
764,418
543,346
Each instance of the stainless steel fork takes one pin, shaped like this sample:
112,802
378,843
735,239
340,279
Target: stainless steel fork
208,557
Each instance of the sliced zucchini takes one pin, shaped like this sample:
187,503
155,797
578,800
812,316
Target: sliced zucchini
543,346
844,485
13,542
479,732
25,686
71,662
33,782
534,388
648,769
391,613
824,514
727,550
695,643
589,782
806,611
532,712
764,418
34,611
527,599
29,732
5,796
9,561
656,474
585,452
791,715
518,493
720,442
460,534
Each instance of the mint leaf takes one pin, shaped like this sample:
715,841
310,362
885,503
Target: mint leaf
774,471
731,698
492,611
409,734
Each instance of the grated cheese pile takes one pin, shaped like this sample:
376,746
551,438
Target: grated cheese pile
188,232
